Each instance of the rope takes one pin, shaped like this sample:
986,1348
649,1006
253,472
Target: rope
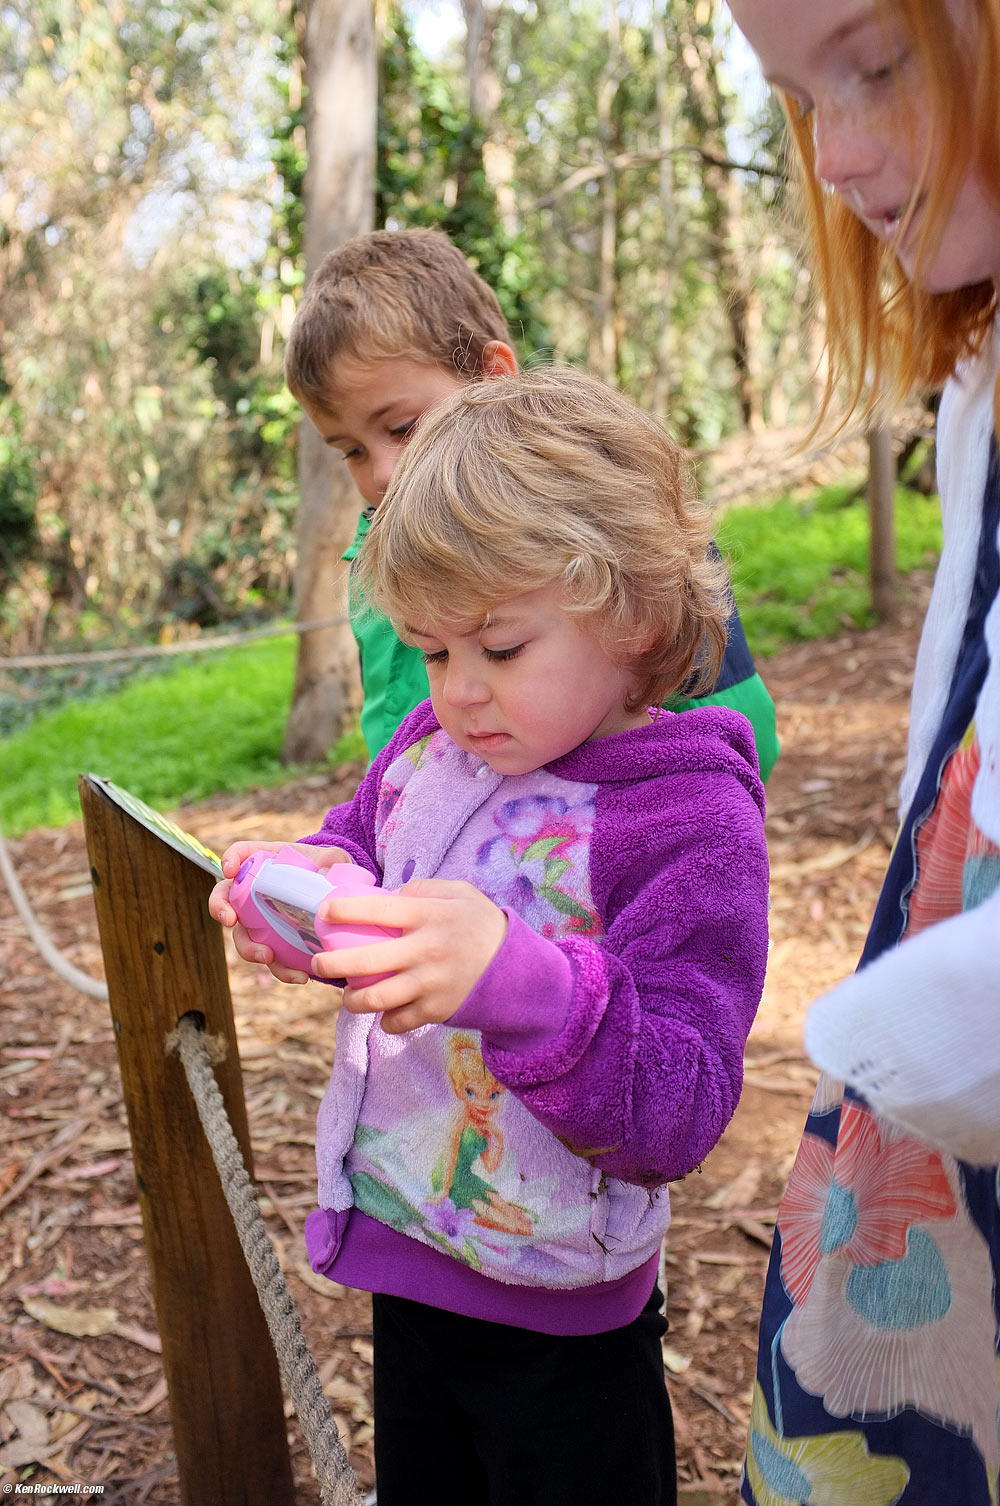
158,650
337,1482
47,948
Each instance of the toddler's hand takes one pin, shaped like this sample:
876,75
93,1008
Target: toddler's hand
219,907
451,933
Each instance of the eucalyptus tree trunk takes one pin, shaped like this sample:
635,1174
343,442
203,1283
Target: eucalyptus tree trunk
484,105
669,248
604,335
701,57
341,110
882,523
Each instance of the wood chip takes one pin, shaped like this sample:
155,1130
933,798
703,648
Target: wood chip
81,1322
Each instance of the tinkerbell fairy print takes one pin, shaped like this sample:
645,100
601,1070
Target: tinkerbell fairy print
476,1135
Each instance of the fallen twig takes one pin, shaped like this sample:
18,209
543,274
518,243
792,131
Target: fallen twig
125,1422
63,1146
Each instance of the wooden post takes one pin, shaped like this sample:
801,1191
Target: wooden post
881,515
164,957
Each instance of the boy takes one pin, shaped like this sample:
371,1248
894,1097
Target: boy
391,323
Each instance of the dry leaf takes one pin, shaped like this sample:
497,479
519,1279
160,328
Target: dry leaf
19,1453
58,1462
674,1361
141,1336
740,1192
16,1380
81,1322
729,1279
340,1389
29,1421
343,1429
152,1398
80,1173
321,1284
754,1229
53,1286
65,1424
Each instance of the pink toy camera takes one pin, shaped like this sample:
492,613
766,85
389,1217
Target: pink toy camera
276,895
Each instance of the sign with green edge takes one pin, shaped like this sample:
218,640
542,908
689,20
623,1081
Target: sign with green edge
161,826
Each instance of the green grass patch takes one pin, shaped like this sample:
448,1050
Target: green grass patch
213,723
800,568
216,722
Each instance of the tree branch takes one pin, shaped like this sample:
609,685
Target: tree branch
621,163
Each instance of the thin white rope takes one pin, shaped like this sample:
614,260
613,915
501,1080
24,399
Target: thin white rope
160,650
47,948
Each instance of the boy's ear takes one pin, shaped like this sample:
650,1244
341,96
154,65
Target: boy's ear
498,359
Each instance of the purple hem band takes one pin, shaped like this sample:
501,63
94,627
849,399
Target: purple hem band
360,1252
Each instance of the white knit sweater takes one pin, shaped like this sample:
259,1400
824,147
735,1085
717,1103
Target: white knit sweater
917,1032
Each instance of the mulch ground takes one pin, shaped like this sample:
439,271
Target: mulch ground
82,1396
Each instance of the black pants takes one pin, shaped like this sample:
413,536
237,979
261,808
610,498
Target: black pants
470,1413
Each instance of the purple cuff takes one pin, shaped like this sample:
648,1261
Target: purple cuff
522,999
324,1236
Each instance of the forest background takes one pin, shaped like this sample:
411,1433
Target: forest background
151,253
601,162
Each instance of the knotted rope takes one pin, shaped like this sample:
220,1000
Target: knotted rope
337,1482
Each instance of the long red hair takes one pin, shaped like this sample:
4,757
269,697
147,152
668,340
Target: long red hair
884,335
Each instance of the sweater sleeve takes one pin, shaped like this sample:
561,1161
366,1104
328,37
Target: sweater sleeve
915,1032
632,1048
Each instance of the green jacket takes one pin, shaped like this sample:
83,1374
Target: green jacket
394,679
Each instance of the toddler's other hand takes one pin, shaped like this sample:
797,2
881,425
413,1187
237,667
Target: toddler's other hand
451,933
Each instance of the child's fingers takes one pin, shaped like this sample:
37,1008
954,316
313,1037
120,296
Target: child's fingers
323,857
376,908
250,950
450,901
288,974
419,995
399,1021
374,957
235,856
218,903
256,951
399,1002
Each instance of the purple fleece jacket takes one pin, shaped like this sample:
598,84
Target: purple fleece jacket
511,1163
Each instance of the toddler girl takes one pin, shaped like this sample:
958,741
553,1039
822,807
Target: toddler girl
581,887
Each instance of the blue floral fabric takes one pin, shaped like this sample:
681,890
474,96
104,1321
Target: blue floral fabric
877,1380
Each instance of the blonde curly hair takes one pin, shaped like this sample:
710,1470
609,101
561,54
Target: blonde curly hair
550,477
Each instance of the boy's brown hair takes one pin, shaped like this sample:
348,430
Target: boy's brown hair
392,293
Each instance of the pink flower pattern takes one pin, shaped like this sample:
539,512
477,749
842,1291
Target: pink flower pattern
858,1200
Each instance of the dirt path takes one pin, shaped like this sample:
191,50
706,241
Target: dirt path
93,1409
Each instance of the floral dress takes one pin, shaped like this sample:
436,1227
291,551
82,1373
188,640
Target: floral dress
877,1377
